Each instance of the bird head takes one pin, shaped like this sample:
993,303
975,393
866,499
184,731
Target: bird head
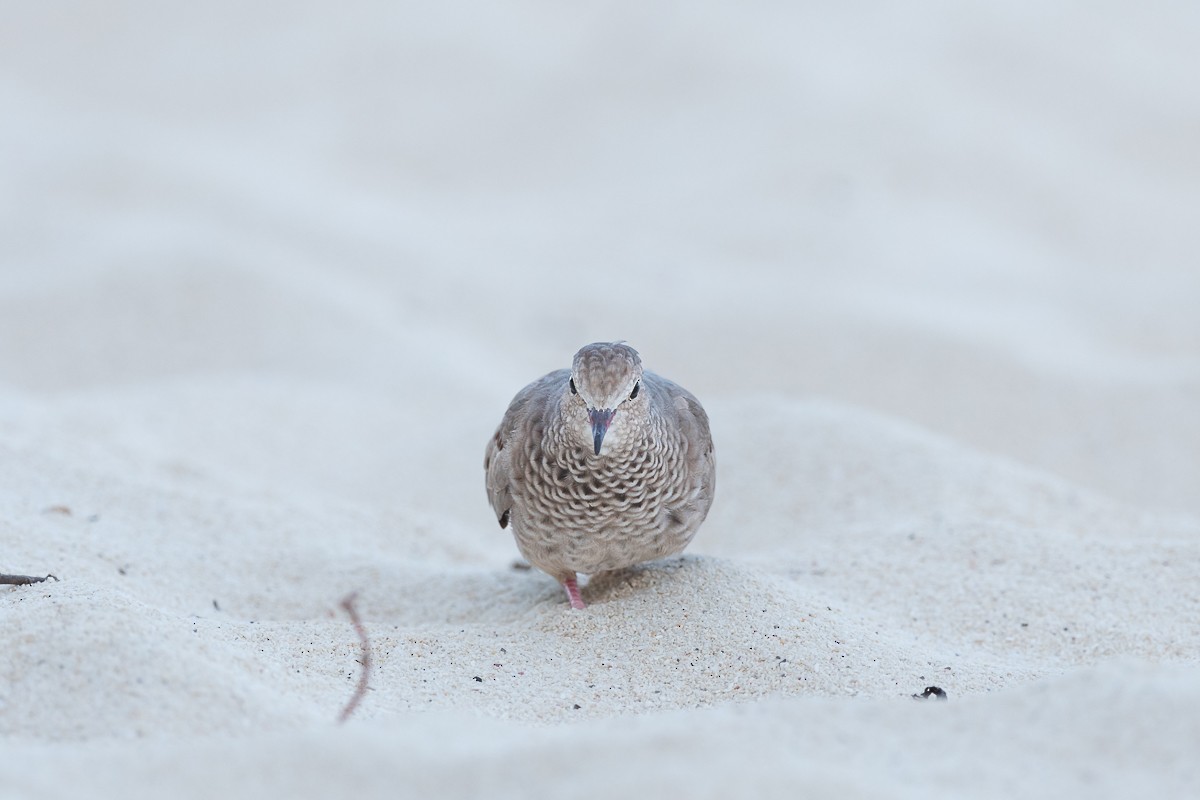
605,379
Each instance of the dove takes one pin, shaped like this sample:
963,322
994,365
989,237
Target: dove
600,467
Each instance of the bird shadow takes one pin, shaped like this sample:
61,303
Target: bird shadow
496,596
664,575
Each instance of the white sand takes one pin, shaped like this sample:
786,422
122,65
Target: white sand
269,276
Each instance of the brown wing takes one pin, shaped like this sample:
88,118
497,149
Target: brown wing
704,460
692,420
496,467
519,420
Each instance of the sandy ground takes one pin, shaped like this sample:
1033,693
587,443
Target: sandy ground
268,278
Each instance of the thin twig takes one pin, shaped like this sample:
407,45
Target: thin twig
22,580
364,661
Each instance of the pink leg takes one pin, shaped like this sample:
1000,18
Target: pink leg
573,592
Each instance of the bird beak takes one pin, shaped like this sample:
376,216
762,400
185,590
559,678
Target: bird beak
600,419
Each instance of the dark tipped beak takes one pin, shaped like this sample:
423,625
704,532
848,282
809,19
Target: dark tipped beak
600,419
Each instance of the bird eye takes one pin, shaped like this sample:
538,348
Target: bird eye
573,389
634,393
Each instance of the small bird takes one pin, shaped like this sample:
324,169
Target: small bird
601,466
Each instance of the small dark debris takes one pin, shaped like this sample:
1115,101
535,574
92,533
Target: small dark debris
577,707
520,565
23,580
216,606
479,679
931,691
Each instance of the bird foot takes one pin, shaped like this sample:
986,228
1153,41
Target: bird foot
573,593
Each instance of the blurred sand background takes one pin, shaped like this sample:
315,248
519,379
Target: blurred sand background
270,273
